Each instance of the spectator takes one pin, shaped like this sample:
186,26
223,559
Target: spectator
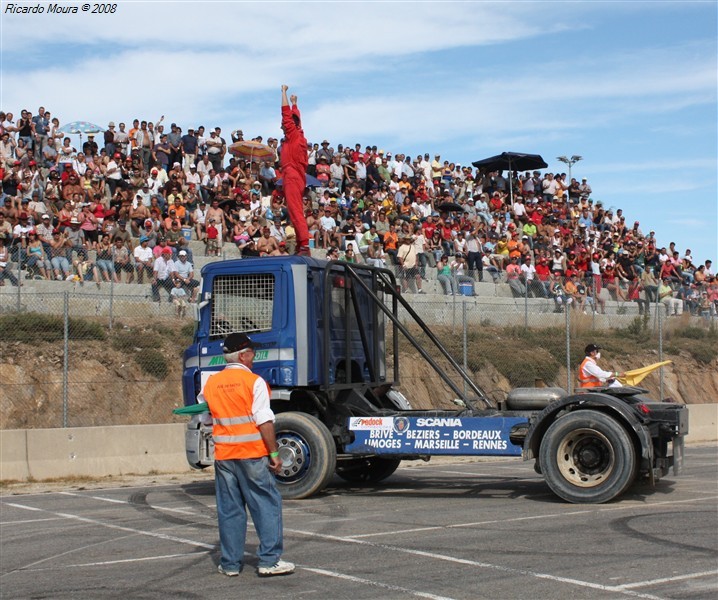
636,294
163,274
446,277
560,297
350,255
329,231
375,254
59,249
582,297
6,265
408,264
189,149
36,258
612,284
185,275
174,234
76,236
104,263
120,233
459,271
178,297
266,243
144,259
85,271
674,306
122,261
513,277
212,239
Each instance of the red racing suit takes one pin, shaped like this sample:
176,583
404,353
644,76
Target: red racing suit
294,170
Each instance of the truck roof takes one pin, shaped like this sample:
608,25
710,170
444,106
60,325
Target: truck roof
237,264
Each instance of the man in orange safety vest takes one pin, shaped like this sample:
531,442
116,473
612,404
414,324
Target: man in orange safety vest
246,456
591,375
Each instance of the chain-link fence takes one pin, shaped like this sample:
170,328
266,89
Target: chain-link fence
82,358
509,342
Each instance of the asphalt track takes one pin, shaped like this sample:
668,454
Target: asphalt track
440,530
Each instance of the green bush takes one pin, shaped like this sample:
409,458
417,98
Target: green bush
33,328
152,362
82,329
703,352
692,333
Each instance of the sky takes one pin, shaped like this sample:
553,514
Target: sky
629,86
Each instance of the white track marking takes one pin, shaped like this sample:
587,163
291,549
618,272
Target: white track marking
472,524
182,511
630,586
121,561
483,565
624,506
155,534
385,586
2,523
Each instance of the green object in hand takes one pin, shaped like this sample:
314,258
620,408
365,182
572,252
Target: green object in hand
192,409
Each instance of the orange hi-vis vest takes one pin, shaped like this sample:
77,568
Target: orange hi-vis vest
230,395
586,380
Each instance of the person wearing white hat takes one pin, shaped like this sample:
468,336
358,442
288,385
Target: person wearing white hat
185,275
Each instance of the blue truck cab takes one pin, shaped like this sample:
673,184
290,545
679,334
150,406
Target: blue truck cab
327,336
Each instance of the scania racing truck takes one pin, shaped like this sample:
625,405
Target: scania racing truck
328,345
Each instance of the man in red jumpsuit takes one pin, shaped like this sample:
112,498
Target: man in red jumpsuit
294,168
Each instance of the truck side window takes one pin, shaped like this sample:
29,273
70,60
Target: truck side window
241,303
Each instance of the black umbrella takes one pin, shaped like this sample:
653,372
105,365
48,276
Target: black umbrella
450,206
511,161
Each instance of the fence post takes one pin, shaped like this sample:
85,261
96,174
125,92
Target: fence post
660,351
453,311
526,304
465,341
66,355
112,287
594,306
19,278
567,312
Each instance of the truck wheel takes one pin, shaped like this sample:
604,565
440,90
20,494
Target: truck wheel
587,457
307,452
370,469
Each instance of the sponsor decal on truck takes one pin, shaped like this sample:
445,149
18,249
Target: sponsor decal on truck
433,435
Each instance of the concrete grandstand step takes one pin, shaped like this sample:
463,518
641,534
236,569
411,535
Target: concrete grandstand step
44,286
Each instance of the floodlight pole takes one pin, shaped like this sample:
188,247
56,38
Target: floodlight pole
570,162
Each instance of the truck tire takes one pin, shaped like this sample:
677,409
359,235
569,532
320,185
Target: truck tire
308,455
587,457
370,469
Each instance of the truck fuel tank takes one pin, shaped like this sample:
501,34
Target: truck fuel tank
533,398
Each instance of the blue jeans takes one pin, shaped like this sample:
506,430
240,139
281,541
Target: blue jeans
242,484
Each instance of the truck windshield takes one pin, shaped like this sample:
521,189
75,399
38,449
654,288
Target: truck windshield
241,303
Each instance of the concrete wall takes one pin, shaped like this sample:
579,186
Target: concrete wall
92,451
142,449
702,423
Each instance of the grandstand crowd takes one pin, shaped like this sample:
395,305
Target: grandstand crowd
124,206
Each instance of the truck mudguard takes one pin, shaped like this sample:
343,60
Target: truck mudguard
627,414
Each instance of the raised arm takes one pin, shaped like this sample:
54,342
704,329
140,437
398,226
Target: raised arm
285,101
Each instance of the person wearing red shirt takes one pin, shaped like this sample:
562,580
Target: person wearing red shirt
429,227
294,168
537,216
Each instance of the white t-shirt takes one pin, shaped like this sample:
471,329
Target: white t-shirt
328,223
143,254
164,268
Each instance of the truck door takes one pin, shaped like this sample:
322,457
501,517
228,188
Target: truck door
266,299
